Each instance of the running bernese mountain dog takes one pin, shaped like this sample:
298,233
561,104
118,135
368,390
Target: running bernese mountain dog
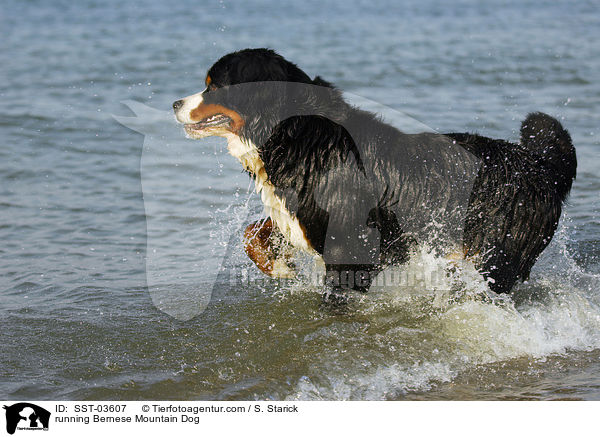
339,183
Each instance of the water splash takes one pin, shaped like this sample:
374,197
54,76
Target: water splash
415,339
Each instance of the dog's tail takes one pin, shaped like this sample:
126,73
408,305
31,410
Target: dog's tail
546,137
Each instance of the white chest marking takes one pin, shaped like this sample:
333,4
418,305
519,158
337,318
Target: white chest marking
289,225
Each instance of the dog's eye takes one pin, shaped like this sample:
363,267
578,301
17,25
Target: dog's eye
211,87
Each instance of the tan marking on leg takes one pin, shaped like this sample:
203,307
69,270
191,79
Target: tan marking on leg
262,244
258,245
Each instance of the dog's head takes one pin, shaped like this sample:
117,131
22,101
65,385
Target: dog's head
248,93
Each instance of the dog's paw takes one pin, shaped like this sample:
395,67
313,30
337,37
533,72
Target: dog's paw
335,298
283,269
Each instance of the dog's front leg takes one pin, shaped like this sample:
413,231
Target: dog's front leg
342,279
265,246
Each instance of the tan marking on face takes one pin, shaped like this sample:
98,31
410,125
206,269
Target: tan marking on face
203,111
208,80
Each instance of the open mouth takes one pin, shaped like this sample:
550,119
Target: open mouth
216,120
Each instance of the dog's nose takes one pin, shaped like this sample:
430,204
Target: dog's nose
177,104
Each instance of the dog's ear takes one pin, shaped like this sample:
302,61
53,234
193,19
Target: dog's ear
321,82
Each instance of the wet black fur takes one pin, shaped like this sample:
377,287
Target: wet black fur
304,132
